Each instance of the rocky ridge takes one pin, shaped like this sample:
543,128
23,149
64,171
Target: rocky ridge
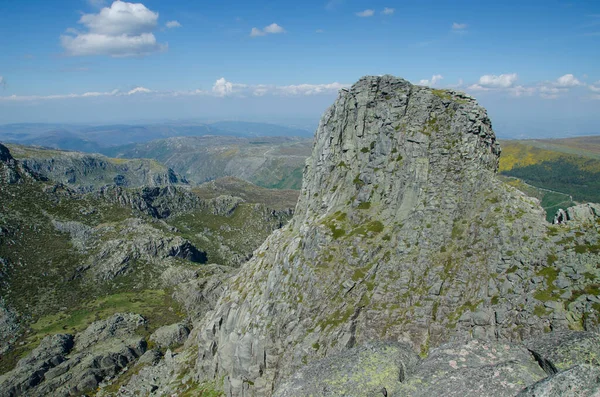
88,172
404,233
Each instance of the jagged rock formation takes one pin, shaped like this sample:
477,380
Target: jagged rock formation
66,365
402,232
91,171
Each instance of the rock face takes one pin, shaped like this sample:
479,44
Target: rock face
90,171
63,365
404,233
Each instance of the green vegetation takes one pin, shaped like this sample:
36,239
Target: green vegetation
364,205
558,172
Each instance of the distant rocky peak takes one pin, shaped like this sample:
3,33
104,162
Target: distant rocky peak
388,141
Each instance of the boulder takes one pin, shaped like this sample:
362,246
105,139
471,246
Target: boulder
169,336
360,371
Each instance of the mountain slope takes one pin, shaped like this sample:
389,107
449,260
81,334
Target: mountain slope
271,162
69,256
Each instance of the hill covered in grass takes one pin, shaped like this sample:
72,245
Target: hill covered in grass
558,171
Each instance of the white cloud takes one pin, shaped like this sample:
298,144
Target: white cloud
255,32
224,88
2,82
121,18
501,81
520,91
139,90
319,31
550,92
568,80
114,46
91,94
594,87
459,26
477,87
123,29
309,89
388,11
221,88
365,13
434,80
274,29
270,29
173,24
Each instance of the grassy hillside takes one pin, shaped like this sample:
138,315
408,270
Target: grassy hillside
271,162
563,170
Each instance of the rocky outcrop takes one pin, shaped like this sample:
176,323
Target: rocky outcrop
402,232
115,248
369,370
170,336
577,381
581,213
90,171
9,324
63,365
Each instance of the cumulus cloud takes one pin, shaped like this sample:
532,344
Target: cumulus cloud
2,82
388,11
568,80
121,30
594,87
270,29
365,13
173,24
459,26
501,81
434,80
222,87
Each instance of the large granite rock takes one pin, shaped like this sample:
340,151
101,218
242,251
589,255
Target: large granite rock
477,368
561,350
361,371
402,232
578,381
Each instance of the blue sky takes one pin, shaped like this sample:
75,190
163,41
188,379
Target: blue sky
534,64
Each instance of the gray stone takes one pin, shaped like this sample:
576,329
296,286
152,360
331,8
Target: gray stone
578,381
563,349
478,368
170,335
360,371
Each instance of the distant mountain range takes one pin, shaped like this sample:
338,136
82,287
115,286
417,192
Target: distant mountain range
96,138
